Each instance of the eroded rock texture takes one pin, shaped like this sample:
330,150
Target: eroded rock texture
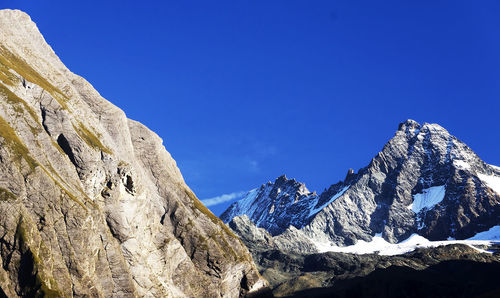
91,203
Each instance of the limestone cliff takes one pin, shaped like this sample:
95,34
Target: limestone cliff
91,203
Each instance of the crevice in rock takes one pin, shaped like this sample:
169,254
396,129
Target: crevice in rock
41,223
44,118
244,283
129,184
105,193
27,275
64,144
162,219
6,247
211,264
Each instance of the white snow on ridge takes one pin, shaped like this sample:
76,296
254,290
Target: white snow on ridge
492,182
378,245
382,247
491,234
462,164
333,198
245,204
428,198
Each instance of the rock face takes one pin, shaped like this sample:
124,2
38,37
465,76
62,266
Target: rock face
91,203
275,206
424,181
257,239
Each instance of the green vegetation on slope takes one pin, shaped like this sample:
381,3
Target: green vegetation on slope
45,285
6,195
91,139
198,205
18,104
12,141
10,61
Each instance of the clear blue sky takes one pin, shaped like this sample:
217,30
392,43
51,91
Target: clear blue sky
244,91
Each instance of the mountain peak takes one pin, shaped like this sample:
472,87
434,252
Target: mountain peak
281,179
409,124
434,127
271,205
421,182
13,14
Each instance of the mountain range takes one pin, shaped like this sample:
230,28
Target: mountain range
421,220
424,182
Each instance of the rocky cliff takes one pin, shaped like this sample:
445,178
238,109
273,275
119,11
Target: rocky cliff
91,203
424,181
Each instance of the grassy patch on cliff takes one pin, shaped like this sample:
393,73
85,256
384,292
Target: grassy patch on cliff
10,61
21,152
17,103
34,257
12,141
6,76
218,237
6,195
90,138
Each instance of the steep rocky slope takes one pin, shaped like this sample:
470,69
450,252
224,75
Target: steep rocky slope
91,203
276,206
424,181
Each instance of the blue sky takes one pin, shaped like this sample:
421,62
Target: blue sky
244,91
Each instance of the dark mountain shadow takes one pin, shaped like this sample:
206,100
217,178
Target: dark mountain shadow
458,278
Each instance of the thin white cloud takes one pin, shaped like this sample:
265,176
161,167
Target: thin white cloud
254,166
223,198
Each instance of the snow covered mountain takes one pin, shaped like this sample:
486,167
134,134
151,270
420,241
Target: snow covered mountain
276,206
424,181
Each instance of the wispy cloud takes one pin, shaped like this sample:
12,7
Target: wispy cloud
254,166
223,198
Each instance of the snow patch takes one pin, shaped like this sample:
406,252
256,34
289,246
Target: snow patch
461,164
303,191
495,167
491,234
333,198
492,182
428,198
246,203
380,246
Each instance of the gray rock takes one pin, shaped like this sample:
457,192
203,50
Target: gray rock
91,202
258,239
275,206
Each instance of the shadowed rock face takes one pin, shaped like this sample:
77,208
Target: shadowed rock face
458,278
91,203
423,181
349,275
